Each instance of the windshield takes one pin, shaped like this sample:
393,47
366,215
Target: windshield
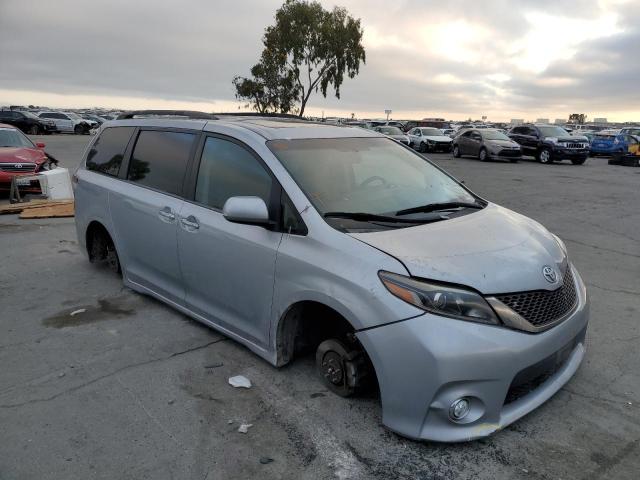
391,130
553,132
493,135
10,137
365,175
30,115
75,116
431,132
631,131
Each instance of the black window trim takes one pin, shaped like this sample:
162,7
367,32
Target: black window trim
278,193
126,160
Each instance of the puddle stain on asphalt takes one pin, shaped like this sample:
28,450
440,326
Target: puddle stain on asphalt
106,309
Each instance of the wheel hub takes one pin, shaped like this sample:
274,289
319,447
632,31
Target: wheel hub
332,368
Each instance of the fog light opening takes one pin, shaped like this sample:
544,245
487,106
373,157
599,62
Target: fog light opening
459,409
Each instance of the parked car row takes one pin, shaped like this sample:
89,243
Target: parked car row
547,143
51,121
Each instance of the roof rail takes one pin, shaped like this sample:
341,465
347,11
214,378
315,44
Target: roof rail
191,114
258,114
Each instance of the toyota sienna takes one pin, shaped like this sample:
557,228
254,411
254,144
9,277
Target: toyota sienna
291,237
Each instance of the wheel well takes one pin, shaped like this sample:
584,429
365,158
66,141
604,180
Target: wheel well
97,240
307,324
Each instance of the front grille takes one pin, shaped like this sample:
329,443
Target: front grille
530,378
510,153
17,167
542,307
573,145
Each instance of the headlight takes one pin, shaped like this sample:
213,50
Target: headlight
439,298
552,139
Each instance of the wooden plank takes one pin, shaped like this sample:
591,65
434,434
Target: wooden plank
19,207
65,210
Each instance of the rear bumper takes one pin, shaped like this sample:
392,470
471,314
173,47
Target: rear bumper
425,363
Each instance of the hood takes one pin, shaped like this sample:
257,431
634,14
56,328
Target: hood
437,138
21,154
502,143
399,137
571,139
494,250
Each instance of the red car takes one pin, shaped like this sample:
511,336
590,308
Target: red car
19,156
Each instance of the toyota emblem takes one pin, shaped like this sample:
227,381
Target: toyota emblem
18,165
549,274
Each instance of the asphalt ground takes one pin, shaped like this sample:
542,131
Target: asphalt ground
131,389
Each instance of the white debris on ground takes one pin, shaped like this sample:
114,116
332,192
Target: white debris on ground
240,382
76,312
244,428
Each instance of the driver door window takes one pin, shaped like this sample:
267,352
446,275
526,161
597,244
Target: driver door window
229,170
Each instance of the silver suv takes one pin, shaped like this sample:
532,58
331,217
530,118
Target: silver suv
293,237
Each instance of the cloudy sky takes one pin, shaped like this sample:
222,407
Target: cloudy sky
454,59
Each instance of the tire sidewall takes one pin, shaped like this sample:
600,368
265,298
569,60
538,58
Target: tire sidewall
541,156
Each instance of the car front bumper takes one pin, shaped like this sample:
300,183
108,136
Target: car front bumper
508,158
439,147
563,153
424,364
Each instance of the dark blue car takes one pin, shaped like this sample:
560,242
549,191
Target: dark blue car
605,143
608,143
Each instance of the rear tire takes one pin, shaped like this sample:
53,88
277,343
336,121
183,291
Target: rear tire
544,156
456,151
342,370
34,130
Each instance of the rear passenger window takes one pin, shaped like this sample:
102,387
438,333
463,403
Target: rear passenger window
107,151
229,170
159,160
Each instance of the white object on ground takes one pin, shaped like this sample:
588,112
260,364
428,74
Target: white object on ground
56,184
245,427
76,312
240,381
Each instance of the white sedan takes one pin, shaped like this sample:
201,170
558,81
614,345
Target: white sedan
427,139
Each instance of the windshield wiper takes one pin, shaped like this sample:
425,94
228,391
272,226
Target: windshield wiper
371,217
435,207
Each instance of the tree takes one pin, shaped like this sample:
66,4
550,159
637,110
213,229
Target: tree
312,47
579,118
272,88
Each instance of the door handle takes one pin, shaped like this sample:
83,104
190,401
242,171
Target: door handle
167,214
191,222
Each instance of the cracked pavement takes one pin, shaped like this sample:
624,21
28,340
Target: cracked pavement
131,389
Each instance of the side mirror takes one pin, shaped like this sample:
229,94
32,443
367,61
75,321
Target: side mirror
249,210
40,145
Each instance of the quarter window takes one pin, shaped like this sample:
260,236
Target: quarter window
229,170
159,160
107,151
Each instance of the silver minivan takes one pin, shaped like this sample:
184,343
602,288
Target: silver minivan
299,238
